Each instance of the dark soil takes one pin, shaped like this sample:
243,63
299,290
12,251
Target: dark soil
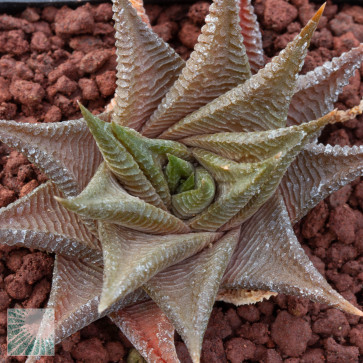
52,57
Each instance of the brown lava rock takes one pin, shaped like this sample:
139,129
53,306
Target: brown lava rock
106,83
90,350
291,334
238,350
337,353
70,22
213,351
27,93
331,323
278,14
35,266
315,220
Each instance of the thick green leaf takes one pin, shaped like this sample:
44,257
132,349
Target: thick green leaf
105,200
120,161
192,202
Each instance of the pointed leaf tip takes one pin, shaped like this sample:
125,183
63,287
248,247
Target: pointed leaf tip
131,258
319,13
217,64
239,110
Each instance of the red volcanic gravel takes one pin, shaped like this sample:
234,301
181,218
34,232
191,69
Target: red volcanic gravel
50,58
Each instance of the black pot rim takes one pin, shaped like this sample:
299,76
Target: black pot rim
11,6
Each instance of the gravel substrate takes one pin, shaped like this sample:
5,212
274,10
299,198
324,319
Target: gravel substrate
51,58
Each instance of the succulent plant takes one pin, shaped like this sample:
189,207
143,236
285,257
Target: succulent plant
186,189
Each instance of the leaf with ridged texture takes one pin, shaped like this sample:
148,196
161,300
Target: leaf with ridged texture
309,130
318,171
75,295
120,161
104,199
146,67
76,287
38,221
192,202
218,63
131,258
269,257
186,185
317,90
248,146
139,6
261,103
186,292
243,296
149,330
237,183
149,156
252,38
175,170
65,151
259,145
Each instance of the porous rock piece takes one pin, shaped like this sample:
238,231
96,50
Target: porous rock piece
27,93
291,334
92,61
331,323
343,222
336,353
239,350
92,347
315,220
78,21
278,14
106,83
